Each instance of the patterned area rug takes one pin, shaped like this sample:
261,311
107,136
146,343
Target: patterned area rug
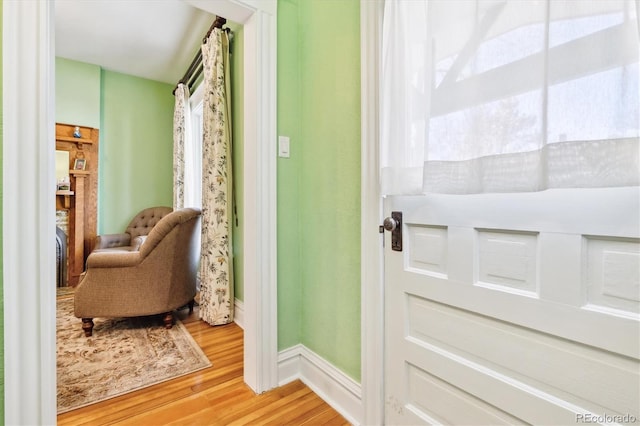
123,355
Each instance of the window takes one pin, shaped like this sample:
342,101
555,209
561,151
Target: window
193,154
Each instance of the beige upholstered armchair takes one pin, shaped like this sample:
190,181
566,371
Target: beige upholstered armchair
155,280
136,232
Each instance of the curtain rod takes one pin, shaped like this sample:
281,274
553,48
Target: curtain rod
195,69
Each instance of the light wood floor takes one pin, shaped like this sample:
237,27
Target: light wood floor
214,396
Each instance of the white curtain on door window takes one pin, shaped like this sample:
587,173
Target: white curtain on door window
509,96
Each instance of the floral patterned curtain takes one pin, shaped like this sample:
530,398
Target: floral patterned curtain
181,124
216,268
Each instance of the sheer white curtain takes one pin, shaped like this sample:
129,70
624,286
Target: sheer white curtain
181,139
187,148
509,96
193,154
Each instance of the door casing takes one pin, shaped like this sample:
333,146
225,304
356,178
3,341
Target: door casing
371,261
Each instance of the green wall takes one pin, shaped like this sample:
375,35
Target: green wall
319,186
77,93
288,176
136,148
1,240
237,131
135,118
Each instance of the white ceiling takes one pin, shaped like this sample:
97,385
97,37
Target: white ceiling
154,39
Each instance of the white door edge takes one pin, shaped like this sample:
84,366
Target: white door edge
28,220
372,290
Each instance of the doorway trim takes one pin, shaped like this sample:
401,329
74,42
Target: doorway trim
28,206
372,262
28,202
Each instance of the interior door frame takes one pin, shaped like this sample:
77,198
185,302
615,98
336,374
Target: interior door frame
371,245
28,202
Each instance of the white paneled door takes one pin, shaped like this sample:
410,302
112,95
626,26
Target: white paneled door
514,308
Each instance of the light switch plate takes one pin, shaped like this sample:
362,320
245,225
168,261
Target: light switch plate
283,146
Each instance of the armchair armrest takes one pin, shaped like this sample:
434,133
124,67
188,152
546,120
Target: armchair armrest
113,259
112,240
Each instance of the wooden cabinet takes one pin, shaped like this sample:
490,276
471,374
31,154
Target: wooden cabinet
81,200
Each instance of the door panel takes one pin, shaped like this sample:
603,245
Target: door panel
515,308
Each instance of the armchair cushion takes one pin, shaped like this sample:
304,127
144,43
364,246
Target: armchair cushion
112,240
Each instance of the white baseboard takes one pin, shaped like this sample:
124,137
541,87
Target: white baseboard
238,313
336,388
299,362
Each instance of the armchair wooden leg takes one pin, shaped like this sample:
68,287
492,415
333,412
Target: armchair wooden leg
191,304
168,320
87,326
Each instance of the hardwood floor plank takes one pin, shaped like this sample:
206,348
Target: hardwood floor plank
168,413
327,417
213,396
274,403
319,407
250,409
292,411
